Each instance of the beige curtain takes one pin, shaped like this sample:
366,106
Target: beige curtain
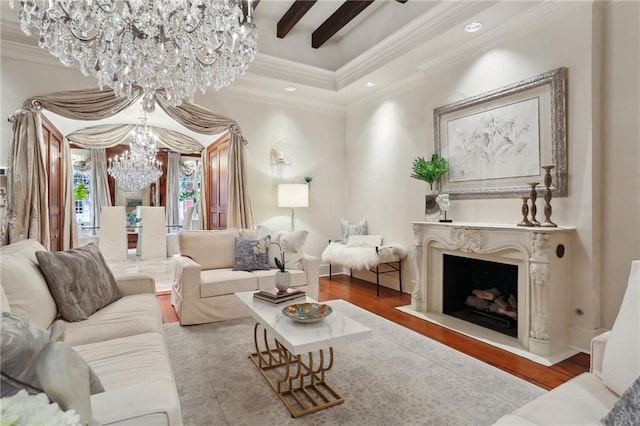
203,213
27,215
173,189
100,183
70,223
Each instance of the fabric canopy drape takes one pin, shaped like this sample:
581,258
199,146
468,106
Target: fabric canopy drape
27,204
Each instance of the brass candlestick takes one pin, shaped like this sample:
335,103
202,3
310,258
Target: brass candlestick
547,198
533,196
525,213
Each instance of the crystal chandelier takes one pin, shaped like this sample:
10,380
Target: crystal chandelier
137,168
169,47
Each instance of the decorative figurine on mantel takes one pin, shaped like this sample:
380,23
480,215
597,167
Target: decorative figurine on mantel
533,210
444,203
525,212
547,198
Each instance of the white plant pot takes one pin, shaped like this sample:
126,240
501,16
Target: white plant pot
431,207
283,280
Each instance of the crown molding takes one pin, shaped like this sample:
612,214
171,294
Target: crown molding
245,90
27,53
411,82
294,72
403,40
517,26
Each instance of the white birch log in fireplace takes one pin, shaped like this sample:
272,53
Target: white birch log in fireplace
541,255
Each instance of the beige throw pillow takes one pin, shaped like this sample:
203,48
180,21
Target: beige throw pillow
79,281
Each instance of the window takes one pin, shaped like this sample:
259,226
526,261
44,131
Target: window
189,188
82,190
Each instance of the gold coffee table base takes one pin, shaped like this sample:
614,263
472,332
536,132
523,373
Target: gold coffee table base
300,385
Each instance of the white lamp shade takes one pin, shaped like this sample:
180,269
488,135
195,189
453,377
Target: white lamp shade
293,195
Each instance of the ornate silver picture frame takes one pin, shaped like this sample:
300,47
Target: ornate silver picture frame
497,142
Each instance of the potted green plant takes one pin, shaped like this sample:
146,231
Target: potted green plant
80,191
429,171
283,277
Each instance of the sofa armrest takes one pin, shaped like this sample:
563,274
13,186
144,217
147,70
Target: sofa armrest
152,403
186,282
597,353
136,284
311,266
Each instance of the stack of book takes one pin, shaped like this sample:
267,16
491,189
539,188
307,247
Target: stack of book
273,295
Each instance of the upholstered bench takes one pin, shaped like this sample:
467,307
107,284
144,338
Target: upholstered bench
366,252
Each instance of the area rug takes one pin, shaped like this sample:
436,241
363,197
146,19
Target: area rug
397,377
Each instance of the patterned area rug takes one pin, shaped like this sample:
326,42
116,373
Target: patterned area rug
397,377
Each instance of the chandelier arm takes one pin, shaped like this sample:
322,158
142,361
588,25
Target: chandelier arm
67,20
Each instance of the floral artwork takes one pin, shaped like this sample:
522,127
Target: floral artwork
498,143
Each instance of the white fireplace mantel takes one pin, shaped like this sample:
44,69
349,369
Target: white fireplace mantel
541,254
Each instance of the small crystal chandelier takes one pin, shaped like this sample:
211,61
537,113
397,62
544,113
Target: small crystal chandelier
169,47
137,168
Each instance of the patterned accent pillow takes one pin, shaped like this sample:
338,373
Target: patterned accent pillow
349,229
627,410
21,342
79,281
251,255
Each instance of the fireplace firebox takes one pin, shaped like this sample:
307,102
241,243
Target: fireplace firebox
481,292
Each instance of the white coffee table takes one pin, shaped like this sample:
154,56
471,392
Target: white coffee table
299,382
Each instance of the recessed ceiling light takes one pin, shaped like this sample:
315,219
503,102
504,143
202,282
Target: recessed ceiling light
472,27
370,84
290,89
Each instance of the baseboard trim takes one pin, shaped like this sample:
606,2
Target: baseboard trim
580,338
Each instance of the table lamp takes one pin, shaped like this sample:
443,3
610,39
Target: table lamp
293,195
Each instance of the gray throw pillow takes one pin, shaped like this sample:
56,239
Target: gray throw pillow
625,412
356,228
79,281
252,255
20,345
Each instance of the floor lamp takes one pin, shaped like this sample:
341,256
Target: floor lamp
293,195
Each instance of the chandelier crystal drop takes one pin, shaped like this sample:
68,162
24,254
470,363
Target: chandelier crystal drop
168,47
137,168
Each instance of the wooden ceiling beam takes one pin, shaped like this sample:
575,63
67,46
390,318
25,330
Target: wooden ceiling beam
402,1
297,10
341,17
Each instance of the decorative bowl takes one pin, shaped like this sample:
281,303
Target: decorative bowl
307,312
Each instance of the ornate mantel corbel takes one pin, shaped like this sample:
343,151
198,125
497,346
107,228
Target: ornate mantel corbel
539,274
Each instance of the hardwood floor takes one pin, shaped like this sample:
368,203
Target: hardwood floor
363,294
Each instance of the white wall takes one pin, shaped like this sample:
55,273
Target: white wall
384,136
621,151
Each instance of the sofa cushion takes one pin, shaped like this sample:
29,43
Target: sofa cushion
267,279
251,255
21,343
291,242
621,361
24,285
128,360
209,249
249,234
79,280
627,409
217,282
128,316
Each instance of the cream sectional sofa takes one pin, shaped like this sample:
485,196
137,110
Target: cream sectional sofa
204,279
615,365
123,342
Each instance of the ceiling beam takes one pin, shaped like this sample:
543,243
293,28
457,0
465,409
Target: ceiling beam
402,1
293,15
341,17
